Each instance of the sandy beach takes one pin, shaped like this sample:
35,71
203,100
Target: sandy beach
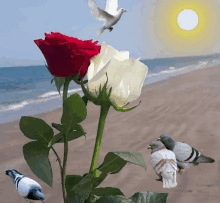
186,106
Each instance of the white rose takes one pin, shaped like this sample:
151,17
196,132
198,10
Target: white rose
125,75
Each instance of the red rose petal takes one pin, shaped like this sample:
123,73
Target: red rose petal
65,55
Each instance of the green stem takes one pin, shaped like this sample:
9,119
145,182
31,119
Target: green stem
58,159
61,168
65,92
103,113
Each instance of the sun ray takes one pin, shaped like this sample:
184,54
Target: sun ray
178,41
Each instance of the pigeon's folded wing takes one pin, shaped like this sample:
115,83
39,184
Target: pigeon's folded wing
98,13
185,152
111,6
26,184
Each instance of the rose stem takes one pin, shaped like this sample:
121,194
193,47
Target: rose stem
65,92
103,114
58,158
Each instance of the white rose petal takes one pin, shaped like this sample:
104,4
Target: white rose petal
100,60
125,75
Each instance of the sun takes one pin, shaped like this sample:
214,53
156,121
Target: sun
187,19
184,27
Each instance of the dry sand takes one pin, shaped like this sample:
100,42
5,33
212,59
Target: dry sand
186,106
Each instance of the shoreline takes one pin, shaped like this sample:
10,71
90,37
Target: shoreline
186,106
12,115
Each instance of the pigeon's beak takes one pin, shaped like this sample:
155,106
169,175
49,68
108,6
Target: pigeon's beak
6,172
158,139
149,147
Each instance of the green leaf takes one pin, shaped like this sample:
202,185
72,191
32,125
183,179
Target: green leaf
78,132
93,198
80,192
149,197
59,81
57,126
112,164
36,129
36,156
72,180
107,191
99,180
132,157
113,199
74,111
139,197
115,161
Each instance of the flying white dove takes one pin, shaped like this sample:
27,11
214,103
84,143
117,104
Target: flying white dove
27,187
185,154
164,163
110,15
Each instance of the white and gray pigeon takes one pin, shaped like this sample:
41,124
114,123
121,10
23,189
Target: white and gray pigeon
111,15
164,163
27,187
185,154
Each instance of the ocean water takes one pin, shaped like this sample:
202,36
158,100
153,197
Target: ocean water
25,91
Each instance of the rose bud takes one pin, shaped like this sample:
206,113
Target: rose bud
67,56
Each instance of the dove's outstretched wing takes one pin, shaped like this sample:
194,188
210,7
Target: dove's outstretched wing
111,6
98,13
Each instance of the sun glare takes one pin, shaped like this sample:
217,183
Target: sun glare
187,19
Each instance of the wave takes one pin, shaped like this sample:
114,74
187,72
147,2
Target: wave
55,95
200,64
42,98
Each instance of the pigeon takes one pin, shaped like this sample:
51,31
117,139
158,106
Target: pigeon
27,188
185,154
164,163
110,15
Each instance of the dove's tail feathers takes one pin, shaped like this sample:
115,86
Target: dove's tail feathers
100,31
204,159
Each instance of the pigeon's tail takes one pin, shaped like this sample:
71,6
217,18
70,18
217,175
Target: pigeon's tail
100,31
169,176
169,183
204,159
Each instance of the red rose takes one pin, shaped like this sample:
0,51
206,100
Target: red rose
66,56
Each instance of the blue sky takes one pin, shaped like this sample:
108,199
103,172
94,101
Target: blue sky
22,21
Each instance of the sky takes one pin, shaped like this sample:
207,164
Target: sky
143,30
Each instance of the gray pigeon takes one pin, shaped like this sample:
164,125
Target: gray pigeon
164,163
111,15
27,188
185,154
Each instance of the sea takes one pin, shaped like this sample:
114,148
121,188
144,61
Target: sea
27,90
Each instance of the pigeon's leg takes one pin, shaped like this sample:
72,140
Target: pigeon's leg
181,171
110,29
28,201
160,179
